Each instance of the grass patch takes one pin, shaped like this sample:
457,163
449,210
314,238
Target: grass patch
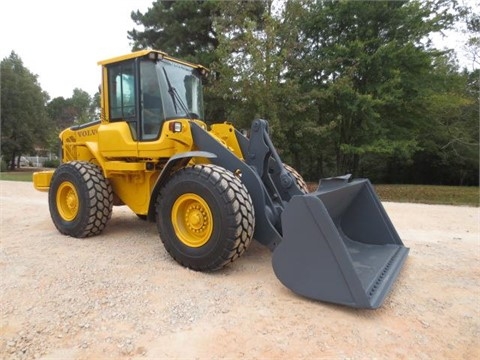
426,194
430,194
19,175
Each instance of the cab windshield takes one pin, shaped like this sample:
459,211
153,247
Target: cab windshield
182,93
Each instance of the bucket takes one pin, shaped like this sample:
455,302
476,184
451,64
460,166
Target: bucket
339,245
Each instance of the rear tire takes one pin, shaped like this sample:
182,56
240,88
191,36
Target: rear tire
205,217
298,178
80,199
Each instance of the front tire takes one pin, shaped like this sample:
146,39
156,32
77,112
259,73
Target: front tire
205,217
80,199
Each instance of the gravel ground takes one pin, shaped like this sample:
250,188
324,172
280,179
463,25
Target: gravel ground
120,296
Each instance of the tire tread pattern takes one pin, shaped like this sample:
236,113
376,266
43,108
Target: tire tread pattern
298,178
239,209
97,194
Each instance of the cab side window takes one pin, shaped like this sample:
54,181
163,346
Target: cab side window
151,101
121,90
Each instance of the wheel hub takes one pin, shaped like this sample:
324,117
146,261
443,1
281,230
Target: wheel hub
192,220
67,201
196,218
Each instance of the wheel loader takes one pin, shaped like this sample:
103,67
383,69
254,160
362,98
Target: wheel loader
211,189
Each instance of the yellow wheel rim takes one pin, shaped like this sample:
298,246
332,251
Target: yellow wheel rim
192,220
67,201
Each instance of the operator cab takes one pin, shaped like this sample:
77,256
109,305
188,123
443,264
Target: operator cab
149,88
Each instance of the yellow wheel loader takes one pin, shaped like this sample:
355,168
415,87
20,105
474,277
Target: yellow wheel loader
211,190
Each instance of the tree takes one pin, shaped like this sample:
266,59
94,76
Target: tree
348,86
182,28
78,109
364,66
449,143
471,30
249,62
81,102
25,124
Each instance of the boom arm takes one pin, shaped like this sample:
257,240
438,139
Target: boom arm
268,200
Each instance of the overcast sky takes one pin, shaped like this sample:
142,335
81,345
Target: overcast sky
62,41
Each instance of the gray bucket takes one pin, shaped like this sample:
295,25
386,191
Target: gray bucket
339,245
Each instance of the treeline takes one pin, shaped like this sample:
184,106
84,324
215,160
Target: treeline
347,86
30,119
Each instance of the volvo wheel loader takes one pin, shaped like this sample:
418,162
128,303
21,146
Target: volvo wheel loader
211,189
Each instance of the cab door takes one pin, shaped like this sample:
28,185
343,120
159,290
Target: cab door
119,132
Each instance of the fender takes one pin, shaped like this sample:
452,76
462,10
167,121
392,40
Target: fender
174,163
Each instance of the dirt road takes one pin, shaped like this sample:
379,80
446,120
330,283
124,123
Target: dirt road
120,295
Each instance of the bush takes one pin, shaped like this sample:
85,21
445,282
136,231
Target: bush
3,166
51,163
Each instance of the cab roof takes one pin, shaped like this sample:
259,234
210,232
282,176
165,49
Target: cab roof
143,53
